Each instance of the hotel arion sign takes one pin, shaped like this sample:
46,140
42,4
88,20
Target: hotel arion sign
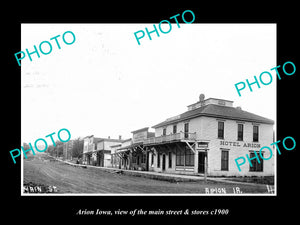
239,144
204,145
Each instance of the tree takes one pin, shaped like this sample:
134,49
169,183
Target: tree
77,148
50,150
58,149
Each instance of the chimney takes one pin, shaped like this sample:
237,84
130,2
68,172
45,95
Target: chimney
201,99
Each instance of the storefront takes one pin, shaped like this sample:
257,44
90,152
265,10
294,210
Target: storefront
174,153
121,154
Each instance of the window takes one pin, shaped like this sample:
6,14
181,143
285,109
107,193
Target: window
179,157
174,129
133,159
143,158
221,130
138,160
152,158
186,130
170,159
184,157
240,132
158,160
224,160
256,167
255,133
189,157
164,131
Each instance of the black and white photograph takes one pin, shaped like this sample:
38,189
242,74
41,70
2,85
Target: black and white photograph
162,117
180,114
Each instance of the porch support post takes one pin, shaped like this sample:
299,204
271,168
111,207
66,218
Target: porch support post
191,147
141,148
153,150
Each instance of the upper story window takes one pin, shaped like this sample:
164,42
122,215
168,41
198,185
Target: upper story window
186,130
164,131
255,133
240,132
220,129
174,129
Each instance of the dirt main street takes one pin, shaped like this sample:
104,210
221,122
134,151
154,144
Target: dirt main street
43,170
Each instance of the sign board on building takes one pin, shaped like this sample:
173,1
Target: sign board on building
139,135
239,144
202,144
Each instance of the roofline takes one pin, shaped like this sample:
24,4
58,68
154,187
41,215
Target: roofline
128,139
111,140
132,145
211,98
219,99
209,115
135,131
88,136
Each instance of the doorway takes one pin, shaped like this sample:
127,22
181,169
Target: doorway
163,162
201,161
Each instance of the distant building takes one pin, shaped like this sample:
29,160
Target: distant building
132,153
89,150
139,154
122,154
115,158
97,151
104,149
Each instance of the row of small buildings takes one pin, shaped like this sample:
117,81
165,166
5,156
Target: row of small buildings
208,137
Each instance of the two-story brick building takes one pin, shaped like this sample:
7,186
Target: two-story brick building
209,136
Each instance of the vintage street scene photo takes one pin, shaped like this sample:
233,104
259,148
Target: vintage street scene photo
131,109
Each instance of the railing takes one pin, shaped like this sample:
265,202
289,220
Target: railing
171,137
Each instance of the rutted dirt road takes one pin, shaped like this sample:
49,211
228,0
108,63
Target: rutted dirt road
43,170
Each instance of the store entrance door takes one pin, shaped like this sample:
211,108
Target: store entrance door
163,162
201,161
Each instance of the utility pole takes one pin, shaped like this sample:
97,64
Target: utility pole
205,166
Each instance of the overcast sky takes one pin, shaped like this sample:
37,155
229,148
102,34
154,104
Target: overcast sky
106,84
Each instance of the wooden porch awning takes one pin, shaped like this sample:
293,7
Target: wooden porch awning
164,147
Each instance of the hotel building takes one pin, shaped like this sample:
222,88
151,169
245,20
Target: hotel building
209,136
